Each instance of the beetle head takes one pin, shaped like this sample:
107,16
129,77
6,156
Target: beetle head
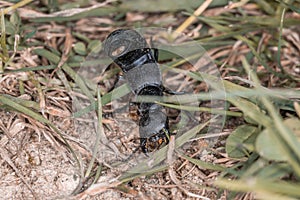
124,46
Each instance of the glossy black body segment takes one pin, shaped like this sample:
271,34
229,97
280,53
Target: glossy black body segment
130,51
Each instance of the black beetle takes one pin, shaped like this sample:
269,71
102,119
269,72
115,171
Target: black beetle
130,51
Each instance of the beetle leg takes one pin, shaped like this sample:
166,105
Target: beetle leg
155,51
133,111
144,146
171,92
119,77
107,115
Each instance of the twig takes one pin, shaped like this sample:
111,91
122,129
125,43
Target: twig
171,148
17,5
191,19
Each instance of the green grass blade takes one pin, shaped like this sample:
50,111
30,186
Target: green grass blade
261,185
160,155
99,133
202,109
285,137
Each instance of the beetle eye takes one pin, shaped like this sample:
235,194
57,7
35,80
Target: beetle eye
118,51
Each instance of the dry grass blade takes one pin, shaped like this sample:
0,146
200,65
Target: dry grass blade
15,106
66,51
66,15
5,157
16,6
297,108
170,162
79,81
97,189
192,18
30,69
